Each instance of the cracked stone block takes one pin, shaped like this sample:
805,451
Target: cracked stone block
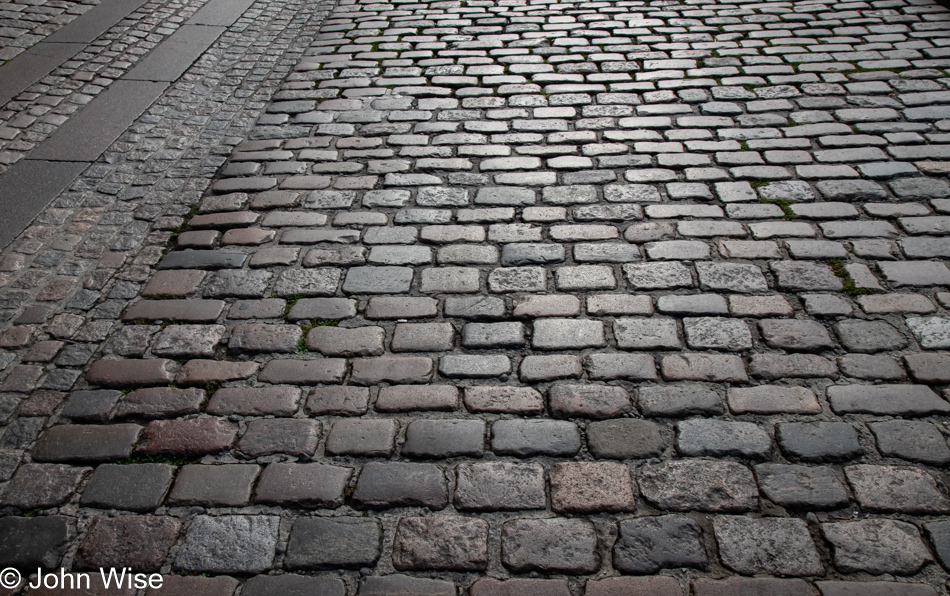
797,486
876,546
244,544
646,545
778,546
448,543
549,545
699,485
334,543
135,541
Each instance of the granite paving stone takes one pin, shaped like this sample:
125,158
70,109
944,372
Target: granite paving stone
510,296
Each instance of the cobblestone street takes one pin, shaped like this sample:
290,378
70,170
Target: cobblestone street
477,297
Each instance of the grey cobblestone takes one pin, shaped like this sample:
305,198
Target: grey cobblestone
639,242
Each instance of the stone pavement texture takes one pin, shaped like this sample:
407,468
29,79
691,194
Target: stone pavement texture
501,297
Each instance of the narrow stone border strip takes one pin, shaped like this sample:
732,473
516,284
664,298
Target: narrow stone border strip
220,12
32,65
93,23
31,184
94,128
170,59
27,188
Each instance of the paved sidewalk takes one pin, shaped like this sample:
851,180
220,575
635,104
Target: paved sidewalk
501,297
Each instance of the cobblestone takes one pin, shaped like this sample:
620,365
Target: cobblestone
638,241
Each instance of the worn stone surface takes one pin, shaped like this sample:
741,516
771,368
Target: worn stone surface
648,544
441,542
768,545
140,543
703,485
229,544
333,543
549,545
876,546
893,488
639,241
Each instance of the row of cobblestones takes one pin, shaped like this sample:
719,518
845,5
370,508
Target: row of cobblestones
512,296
